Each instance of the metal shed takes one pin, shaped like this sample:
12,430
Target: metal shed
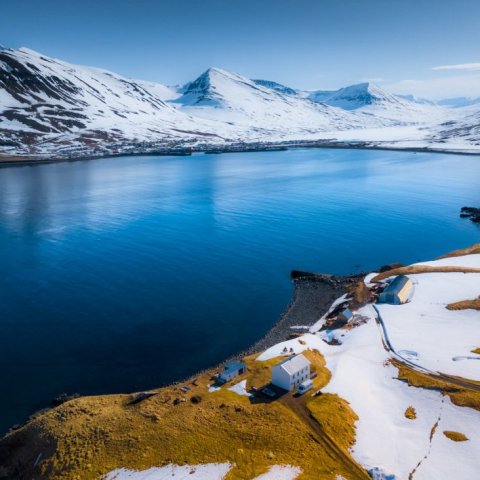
232,370
398,291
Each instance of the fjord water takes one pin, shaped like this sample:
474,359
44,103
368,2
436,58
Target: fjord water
127,273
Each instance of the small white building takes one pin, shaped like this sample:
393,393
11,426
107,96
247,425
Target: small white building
291,372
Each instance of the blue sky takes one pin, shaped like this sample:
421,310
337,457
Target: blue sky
303,43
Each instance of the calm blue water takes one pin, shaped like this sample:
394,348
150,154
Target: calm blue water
127,273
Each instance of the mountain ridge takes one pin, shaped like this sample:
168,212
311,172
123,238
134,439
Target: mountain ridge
49,107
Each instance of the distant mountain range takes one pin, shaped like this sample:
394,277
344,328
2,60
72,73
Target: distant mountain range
53,109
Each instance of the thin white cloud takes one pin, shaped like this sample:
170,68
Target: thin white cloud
460,66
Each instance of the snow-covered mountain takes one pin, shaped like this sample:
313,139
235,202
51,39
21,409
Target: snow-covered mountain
276,86
459,102
464,131
47,100
413,98
50,108
370,99
244,103
355,96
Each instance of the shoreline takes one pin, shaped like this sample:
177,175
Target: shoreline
27,160
312,296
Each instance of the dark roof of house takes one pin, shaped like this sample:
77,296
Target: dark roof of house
233,366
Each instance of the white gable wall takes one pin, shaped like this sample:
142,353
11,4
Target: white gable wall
281,378
291,374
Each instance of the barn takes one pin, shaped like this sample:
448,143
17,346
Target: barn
398,291
232,370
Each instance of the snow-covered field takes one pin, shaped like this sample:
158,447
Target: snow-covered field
430,335
425,332
52,108
210,471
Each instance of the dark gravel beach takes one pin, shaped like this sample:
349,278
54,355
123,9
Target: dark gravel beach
314,293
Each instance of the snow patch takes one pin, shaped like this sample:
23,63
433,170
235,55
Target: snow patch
209,471
240,388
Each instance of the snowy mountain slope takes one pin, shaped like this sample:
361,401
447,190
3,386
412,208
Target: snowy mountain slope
50,108
218,94
463,130
413,98
45,99
276,86
370,99
355,96
459,102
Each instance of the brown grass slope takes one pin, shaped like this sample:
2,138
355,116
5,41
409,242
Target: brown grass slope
463,251
416,269
465,305
87,437
462,396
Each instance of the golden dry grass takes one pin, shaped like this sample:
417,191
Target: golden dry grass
336,417
476,350
259,372
455,436
410,413
460,396
87,437
463,251
465,305
416,269
360,294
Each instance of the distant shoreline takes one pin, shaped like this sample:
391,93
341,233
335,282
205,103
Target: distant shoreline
29,160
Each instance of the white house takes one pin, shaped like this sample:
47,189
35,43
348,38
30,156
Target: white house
291,372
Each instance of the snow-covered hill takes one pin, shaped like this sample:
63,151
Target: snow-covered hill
370,99
50,108
261,107
355,96
391,444
459,102
463,131
49,105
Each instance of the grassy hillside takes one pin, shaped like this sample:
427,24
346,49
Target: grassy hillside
87,437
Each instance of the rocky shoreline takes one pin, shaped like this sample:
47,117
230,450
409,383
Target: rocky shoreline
7,160
471,213
313,295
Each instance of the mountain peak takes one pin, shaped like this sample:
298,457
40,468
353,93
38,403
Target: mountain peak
354,96
208,87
